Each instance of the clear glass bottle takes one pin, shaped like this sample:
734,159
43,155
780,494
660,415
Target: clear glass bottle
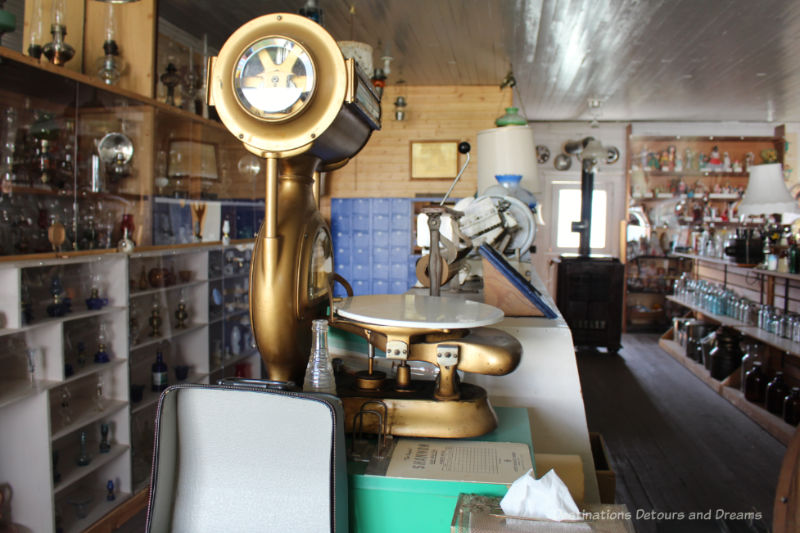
319,372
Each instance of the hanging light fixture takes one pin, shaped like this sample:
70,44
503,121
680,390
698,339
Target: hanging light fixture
766,192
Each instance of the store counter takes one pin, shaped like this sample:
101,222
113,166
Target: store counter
546,382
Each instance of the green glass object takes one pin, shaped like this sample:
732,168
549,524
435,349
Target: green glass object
511,118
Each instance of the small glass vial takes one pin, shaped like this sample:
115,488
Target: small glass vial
319,372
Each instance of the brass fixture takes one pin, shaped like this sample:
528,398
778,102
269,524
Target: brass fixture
282,86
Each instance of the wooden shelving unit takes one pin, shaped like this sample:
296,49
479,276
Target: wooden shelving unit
729,389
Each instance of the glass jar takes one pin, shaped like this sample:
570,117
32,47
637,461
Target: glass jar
755,384
775,393
791,407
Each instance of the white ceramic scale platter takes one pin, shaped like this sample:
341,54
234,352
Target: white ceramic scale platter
418,311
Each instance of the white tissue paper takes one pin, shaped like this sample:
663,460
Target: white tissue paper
546,498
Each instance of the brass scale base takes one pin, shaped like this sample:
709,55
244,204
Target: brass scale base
415,412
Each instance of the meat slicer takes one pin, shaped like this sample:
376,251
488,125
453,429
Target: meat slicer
282,86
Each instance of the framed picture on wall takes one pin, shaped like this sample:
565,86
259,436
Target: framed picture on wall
433,160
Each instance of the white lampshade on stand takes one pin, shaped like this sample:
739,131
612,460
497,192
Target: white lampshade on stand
766,192
507,150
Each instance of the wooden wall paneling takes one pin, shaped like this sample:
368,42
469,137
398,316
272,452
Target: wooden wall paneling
136,38
382,168
74,37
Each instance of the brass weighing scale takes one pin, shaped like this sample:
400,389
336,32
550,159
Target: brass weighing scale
282,86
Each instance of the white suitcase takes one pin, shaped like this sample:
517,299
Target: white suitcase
242,458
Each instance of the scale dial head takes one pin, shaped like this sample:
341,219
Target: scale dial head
274,79
278,84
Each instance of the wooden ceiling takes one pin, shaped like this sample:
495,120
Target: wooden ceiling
714,60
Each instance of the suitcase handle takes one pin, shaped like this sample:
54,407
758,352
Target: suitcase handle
259,383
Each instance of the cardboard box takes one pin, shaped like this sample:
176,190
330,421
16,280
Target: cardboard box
606,478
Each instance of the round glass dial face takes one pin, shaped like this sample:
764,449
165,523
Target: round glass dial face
274,78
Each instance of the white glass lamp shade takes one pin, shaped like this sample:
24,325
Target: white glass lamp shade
507,150
766,192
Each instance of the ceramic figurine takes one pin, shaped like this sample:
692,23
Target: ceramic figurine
749,160
83,456
663,161
678,163
737,166
726,162
226,229
110,491
689,160
714,160
652,161
99,397
671,150
104,446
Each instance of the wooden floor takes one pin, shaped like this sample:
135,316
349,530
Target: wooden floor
675,445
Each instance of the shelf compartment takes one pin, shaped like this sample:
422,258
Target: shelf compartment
774,424
159,290
100,507
152,341
73,474
93,368
677,352
723,320
149,396
88,416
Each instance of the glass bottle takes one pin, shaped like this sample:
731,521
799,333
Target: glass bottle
319,372
791,407
754,384
160,373
776,392
750,356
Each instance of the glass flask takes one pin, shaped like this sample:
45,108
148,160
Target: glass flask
319,372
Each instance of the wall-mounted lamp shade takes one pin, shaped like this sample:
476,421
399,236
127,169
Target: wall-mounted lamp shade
766,192
507,150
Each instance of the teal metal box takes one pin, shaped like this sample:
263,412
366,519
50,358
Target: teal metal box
380,504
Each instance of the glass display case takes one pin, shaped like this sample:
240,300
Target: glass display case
81,163
82,324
